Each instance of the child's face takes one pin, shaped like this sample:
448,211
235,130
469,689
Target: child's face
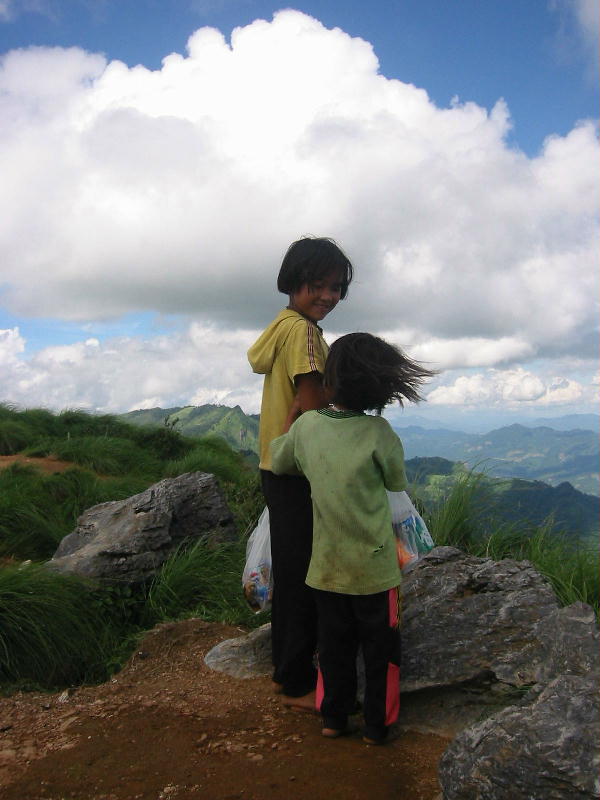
318,299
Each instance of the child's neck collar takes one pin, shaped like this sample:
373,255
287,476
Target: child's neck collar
308,319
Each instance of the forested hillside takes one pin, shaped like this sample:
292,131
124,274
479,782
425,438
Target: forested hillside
507,501
516,451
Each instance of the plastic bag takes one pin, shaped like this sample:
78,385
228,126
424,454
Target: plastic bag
413,540
257,577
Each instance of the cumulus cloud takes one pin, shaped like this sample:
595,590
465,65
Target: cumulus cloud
193,366
509,389
179,189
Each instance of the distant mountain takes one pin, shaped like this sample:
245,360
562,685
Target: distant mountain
515,451
569,422
415,420
511,500
238,429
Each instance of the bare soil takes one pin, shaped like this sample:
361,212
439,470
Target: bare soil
48,464
169,728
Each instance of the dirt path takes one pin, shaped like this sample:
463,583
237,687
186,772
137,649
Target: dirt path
168,728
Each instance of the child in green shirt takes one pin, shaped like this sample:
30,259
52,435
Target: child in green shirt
350,459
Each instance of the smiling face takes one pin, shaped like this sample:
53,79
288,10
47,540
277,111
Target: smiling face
316,300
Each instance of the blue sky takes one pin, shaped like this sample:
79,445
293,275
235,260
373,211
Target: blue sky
450,147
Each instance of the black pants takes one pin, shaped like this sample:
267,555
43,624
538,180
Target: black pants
293,610
345,622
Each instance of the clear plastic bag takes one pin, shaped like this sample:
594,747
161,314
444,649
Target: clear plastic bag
257,577
413,540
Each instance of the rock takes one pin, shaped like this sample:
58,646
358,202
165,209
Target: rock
129,540
563,642
465,617
245,656
545,749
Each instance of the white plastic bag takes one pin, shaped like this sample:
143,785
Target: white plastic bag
413,540
257,577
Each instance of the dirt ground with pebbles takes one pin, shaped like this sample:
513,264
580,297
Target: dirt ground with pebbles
167,726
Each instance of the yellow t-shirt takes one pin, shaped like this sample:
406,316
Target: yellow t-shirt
290,346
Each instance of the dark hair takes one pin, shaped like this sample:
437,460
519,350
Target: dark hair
310,259
363,373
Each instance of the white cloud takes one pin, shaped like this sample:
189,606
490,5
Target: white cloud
12,345
179,189
509,389
194,366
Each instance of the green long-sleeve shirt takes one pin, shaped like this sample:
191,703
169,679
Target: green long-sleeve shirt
350,459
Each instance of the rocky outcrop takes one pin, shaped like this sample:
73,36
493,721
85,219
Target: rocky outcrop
546,746
127,541
543,749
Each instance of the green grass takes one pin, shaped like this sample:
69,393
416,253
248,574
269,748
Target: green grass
202,581
55,631
50,633
14,436
103,454
210,454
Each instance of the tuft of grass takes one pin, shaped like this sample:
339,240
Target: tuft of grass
50,634
455,519
202,580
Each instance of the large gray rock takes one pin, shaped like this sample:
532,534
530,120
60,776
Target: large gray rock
129,540
544,749
466,619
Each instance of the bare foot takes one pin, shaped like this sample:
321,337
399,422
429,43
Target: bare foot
304,703
277,687
331,733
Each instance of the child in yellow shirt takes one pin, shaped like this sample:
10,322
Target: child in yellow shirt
291,353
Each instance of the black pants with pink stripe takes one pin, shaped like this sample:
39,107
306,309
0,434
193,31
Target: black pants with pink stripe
345,622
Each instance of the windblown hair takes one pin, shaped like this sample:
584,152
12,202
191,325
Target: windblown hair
365,373
311,259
